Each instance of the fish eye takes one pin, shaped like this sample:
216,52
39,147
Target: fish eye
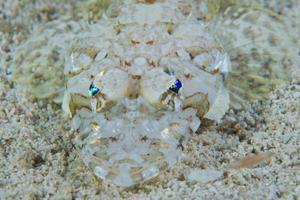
176,86
93,90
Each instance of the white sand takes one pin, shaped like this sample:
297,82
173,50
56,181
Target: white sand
38,161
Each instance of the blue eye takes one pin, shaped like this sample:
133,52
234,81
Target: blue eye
93,90
176,86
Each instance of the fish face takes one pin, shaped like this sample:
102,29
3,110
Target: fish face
135,103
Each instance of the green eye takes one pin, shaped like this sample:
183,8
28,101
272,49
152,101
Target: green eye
93,90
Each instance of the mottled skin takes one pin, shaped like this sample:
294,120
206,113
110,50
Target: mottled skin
133,128
134,57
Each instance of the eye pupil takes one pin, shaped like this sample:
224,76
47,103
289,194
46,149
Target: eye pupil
93,90
176,86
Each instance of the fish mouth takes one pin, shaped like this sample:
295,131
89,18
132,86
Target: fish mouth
136,145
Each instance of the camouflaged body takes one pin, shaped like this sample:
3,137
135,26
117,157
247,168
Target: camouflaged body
134,126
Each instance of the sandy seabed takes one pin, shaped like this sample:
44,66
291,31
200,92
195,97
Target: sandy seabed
38,160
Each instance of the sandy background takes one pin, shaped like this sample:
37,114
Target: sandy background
38,160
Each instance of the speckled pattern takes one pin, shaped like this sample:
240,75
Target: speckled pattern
38,160
134,124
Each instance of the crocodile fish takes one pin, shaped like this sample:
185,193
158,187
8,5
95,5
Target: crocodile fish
141,79
138,85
